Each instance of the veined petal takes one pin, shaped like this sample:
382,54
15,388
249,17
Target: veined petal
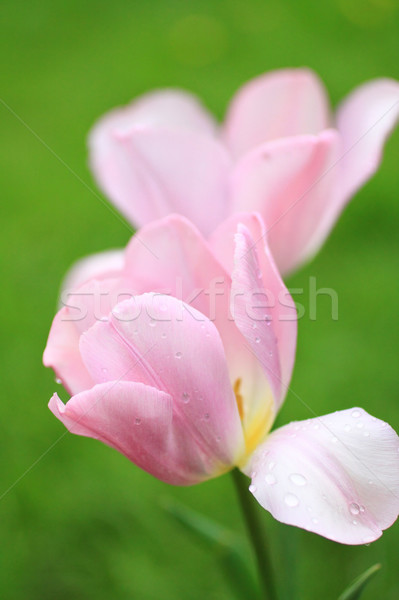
294,184
365,119
138,421
161,342
283,103
149,173
336,475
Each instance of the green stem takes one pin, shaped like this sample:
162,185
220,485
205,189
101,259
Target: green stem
259,544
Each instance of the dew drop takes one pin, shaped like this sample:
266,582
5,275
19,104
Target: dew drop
257,340
152,323
271,465
206,416
316,426
360,425
254,326
356,414
104,370
270,479
291,500
347,428
58,380
252,488
366,433
354,522
362,509
298,479
186,397
354,508
334,440
315,521
163,335
178,355
137,421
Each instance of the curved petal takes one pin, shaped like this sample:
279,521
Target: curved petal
365,119
171,109
294,184
82,307
150,173
336,475
138,421
162,342
62,353
102,265
252,252
282,103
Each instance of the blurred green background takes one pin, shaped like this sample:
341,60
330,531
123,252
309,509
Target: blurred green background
77,519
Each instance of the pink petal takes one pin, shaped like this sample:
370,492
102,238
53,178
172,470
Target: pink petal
253,258
139,421
293,183
365,119
336,475
161,342
279,104
170,109
81,309
102,265
62,354
150,173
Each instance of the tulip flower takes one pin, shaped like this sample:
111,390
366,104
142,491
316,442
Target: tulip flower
280,152
179,357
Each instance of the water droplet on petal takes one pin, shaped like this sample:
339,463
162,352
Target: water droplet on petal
253,325
271,465
186,397
252,488
270,479
354,522
315,521
298,479
178,354
104,370
58,380
257,340
354,508
356,414
137,421
347,428
366,433
334,440
152,323
163,335
360,425
362,509
206,416
291,500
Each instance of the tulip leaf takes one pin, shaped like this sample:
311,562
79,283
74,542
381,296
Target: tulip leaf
354,591
225,544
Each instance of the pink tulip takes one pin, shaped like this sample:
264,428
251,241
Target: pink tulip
179,355
279,152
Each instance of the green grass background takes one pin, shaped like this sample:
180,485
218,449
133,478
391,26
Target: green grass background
78,520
